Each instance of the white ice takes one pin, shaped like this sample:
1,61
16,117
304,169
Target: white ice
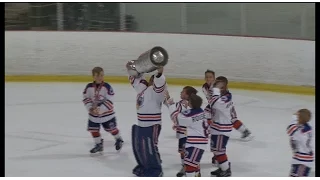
45,133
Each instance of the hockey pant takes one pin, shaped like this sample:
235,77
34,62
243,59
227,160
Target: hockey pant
218,147
181,148
145,150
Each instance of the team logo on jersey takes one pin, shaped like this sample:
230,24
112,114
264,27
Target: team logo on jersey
140,101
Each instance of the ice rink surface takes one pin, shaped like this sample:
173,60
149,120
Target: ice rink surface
45,133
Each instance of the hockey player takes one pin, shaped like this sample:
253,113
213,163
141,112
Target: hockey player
150,96
97,98
207,90
180,129
195,121
222,115
236,123
300,134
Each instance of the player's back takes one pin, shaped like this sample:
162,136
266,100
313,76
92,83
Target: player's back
300,137
223,113
196,123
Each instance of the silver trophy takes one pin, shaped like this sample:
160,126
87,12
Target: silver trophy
148,61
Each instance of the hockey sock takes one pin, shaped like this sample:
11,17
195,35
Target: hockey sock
115,133
223,162
238,125
191,171
96,136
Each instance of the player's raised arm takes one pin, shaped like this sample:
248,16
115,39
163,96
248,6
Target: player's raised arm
159,81
174,109
215,93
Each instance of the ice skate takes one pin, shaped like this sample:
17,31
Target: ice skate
214,161
220,173
97,148
246,135
182,172
118,144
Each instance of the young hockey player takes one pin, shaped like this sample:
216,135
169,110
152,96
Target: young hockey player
300,134
98,100
207,90
236,123
195,121
222,115
145,134
181,130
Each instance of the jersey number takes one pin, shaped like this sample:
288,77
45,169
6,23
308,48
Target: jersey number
205,129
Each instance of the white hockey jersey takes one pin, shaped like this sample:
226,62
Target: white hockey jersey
196,123
300,140
149,99
222,113
101,96
207,90
180,129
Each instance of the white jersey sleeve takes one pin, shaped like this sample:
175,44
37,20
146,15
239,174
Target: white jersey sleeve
138,83
86,99
159,83
179,107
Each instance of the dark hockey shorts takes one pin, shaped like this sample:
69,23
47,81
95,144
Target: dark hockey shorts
108,126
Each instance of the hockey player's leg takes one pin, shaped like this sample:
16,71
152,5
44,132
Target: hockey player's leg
156,131
111,127
192,161
149,153
136,139
299,170
94,129
246,134
212,144
181,150
219,150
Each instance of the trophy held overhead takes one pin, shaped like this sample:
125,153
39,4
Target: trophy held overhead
148,61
